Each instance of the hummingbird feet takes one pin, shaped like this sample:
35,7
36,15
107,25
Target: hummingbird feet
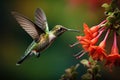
35,53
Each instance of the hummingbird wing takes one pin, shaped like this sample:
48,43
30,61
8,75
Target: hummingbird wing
31,28
41,20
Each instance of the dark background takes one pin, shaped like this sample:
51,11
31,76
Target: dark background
59,56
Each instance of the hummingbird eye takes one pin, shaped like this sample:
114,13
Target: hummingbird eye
60,29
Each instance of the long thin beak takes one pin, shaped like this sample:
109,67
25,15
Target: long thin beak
72,30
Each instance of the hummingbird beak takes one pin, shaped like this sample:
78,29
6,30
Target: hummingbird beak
72,30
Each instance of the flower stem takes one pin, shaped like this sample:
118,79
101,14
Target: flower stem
115,41
108,31
103,43
100,32
114,47
102,23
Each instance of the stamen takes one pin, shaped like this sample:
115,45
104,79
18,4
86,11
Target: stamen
79,53
76,43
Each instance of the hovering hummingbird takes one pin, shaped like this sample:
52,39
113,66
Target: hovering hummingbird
39,31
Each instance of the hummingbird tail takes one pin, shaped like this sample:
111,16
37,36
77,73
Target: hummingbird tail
22,59
28,52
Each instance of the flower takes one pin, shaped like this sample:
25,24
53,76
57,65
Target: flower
94,41
113,59
99,52
87,40
90,39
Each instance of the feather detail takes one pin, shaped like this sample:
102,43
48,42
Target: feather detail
31,28
41,20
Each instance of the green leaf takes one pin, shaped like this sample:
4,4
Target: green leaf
85,62
70,73
95,69
105,5
93,62
87,76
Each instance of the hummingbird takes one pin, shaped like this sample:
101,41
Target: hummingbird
39,31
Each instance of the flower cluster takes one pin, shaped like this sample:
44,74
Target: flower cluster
100,42
97,49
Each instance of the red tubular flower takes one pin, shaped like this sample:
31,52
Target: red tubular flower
90,33
99,52
95,39
113,58
90,39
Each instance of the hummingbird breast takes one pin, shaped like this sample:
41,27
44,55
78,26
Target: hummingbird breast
45,41
51,37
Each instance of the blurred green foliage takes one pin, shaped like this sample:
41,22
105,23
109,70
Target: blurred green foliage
59,56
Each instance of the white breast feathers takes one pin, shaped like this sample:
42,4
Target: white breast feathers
51,37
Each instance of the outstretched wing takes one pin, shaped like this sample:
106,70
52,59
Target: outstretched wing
31,28
40,19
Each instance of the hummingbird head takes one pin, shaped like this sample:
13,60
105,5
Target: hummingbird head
59,29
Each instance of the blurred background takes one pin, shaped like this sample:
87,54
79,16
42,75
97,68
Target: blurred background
59,56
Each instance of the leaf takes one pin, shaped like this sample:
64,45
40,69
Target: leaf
106,6
87,76
93,62
96,69
85,62
70,73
